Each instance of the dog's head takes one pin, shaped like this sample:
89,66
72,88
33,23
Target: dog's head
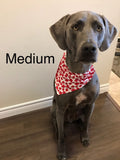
82,34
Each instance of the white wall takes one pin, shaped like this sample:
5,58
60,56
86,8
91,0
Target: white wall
24,29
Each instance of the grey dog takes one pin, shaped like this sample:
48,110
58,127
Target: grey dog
81,35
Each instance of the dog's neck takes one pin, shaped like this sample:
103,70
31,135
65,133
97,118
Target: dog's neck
76,67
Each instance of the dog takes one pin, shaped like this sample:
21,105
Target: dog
76,85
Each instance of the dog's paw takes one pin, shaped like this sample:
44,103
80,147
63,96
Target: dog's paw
85,141
61,156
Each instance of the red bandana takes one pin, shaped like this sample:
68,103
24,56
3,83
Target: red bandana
66,81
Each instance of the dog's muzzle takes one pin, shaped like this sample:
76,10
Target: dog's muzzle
89,48
88,53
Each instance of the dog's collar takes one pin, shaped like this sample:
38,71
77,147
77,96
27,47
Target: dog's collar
66,81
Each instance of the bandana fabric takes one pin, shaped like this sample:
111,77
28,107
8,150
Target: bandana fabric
66,81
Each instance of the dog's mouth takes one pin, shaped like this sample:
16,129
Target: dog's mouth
87,57
88,60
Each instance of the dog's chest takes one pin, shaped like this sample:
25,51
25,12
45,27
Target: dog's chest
79,98
74,110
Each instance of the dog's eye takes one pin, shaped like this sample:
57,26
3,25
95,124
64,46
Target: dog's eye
99,28
75,27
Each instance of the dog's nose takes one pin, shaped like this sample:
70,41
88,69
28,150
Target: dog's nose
89,48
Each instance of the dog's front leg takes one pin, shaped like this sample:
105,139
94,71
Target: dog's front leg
87,111
61,143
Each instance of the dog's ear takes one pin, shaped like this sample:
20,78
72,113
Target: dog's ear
58,31
110,32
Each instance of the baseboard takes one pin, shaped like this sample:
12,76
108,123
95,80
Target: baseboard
25,107
35,105
104,88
